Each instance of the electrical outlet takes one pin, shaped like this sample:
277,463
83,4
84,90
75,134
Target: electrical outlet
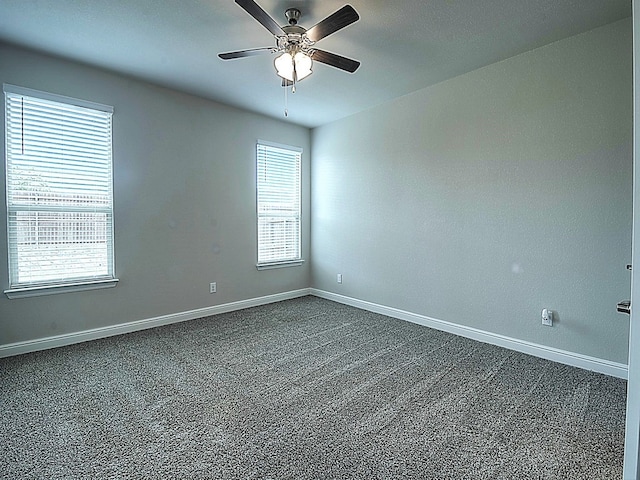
213,288
547,317
339,278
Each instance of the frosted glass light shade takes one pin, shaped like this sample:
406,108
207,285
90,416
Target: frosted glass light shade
293,68
284,66
303,65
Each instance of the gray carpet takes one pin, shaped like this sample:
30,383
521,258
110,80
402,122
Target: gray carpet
304,389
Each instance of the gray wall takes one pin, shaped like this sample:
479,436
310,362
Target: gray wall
486,198
184,203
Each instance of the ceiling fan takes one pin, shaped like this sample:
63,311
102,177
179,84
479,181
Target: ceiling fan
296,44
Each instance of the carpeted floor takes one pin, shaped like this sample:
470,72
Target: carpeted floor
304,389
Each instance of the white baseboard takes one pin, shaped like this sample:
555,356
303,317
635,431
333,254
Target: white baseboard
19,348
606,367
569,358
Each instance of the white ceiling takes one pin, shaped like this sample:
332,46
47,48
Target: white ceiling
404,45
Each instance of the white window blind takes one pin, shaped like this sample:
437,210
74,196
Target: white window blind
59,189
278,185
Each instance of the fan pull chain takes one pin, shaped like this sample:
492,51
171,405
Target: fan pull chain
286,105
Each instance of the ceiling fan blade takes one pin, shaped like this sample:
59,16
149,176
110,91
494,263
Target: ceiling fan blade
334,22
261,16
338,61
246,53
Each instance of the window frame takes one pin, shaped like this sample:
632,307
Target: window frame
59,285
284,261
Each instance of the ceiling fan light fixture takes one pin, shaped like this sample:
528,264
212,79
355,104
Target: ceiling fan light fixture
293,67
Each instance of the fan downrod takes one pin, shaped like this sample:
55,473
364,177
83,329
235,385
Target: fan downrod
293,15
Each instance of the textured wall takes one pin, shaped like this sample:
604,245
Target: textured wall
486,198
184,203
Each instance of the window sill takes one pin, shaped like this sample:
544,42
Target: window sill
270,266
26,292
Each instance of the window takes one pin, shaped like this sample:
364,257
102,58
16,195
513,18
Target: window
59,193
278,186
